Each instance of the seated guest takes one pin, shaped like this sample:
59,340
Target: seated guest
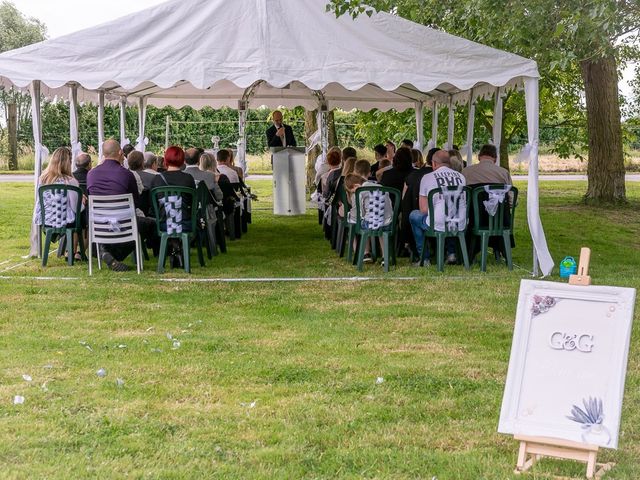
192,158
406,143
442,176
348,152
83,165
348,166
58,172
161,168
126,150
136,162
352,182
150,170
457,163
232,164
383,166
418,160
322,169
380,152
330,179
208,164
362,168
401,168
225,168
486,170
111,178
410,196
391,150
175,177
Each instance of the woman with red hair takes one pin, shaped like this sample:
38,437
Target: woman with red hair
175,177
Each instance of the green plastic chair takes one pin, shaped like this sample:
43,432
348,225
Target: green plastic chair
45,194
451,231
342,223
206,220
387,233
160,196
495,226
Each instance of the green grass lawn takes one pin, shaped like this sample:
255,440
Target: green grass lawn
278,380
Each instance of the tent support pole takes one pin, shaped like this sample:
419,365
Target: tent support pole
324,130
167,132
497,122
433,143
123,121
243,107
100,125
36,119
142,124
470,128
419,125
76,148
451,126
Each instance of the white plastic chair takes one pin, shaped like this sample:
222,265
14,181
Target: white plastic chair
112,220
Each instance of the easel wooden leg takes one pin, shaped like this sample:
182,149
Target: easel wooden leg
533,449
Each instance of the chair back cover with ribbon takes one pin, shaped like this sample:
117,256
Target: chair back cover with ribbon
173,210
496,197
375,210
454,209
176,209
373,206
57,204
112,219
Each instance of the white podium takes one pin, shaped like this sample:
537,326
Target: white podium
289,179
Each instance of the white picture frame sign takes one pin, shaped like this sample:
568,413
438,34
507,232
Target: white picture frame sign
568,362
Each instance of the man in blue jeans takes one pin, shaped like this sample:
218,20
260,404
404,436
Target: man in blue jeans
442,176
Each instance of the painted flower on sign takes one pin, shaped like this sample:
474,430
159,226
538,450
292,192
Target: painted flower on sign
542,304
591,419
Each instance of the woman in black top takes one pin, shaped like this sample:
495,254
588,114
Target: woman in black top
402,166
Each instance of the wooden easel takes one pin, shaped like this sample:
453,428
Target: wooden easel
533,448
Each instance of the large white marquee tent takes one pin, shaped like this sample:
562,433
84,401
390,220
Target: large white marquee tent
288,53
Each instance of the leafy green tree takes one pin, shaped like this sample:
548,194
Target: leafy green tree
579,46
16,31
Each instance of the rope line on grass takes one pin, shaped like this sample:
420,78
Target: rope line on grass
269,279
14,266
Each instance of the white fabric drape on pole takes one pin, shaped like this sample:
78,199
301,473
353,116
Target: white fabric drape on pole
419,125
123,121
141,142
497,123
471,119
76,147
541,250
100,125
242,140
39,151
451,125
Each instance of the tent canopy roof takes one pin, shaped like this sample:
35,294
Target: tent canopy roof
209,52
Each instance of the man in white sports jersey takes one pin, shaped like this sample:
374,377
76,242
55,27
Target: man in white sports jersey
442,176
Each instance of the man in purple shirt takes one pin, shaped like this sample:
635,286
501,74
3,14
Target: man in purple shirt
111,178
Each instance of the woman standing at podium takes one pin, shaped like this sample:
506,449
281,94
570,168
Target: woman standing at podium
279,134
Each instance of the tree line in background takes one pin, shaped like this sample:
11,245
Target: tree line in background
189,127
579,46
